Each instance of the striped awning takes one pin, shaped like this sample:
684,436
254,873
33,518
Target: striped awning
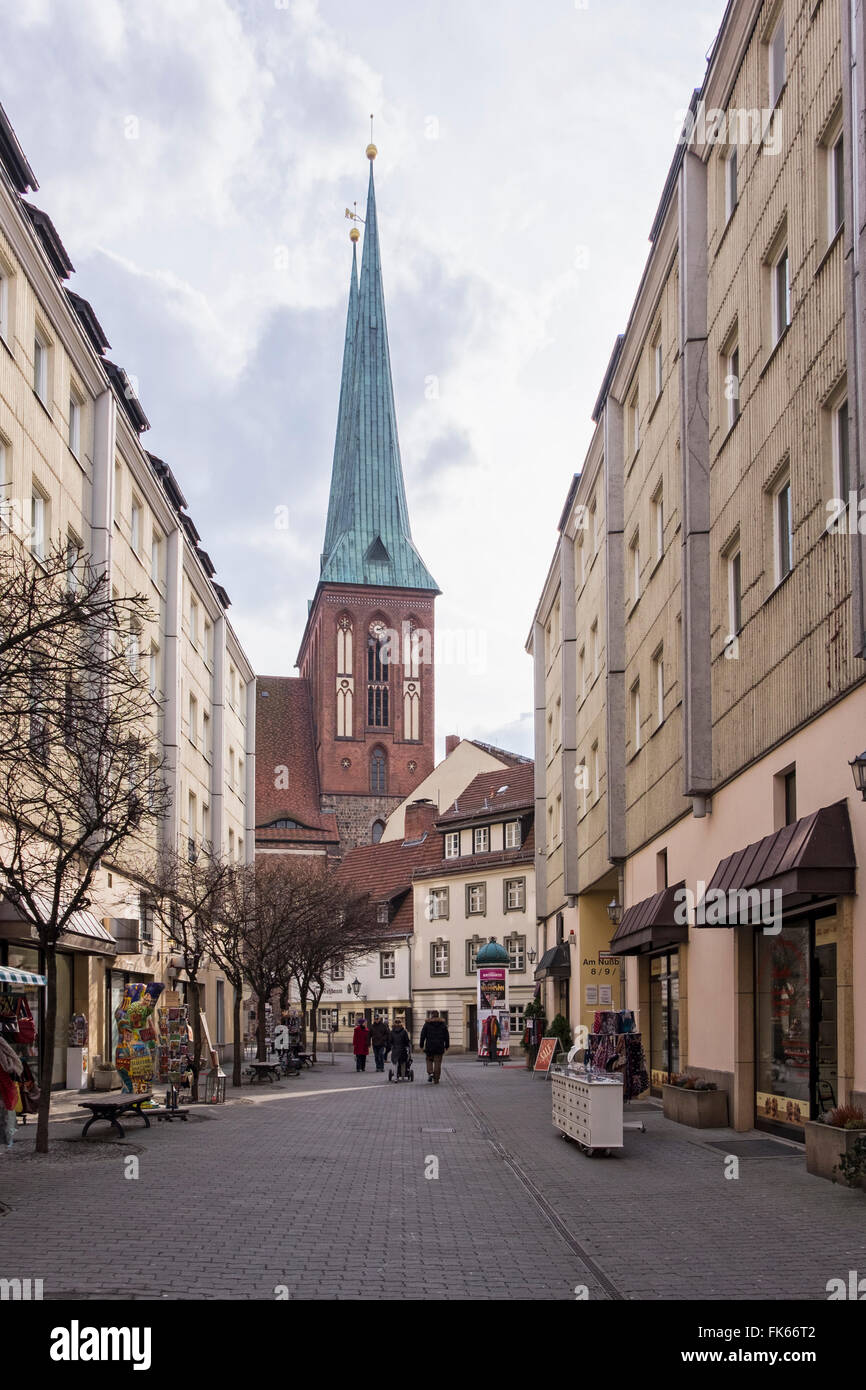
8,976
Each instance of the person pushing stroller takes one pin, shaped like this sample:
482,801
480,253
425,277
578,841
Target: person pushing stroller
401,1054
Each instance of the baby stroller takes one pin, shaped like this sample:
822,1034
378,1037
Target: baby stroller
402,1066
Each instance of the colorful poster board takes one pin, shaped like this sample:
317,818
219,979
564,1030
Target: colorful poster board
494,1018
134,1054
173,1043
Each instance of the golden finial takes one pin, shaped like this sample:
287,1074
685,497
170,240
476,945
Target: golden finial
354,235
371,148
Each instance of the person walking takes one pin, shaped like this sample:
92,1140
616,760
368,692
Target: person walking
380,1037
361,1043
400,1045
435,1042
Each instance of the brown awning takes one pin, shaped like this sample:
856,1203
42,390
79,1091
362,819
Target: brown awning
652,924
811,859
555,964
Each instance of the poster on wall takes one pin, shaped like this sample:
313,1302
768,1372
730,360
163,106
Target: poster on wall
494,1019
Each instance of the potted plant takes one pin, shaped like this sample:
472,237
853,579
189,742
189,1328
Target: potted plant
833,1143
689,1100
559,1029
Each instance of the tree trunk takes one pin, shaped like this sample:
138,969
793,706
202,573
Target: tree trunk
196,1035
46,1074
238,1040
303,992
261,1042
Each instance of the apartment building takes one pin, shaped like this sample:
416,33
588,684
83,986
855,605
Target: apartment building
728,445
73,466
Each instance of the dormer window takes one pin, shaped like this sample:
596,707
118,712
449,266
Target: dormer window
512,834
382,914
481,840
452,844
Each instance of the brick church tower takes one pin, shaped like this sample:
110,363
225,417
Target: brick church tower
366,655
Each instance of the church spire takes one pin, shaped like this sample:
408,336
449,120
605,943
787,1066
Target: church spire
368,539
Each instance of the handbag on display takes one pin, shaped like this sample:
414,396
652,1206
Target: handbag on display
24,1019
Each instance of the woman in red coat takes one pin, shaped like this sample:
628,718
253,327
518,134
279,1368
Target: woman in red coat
361,1043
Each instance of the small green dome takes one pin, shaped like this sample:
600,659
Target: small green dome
492,954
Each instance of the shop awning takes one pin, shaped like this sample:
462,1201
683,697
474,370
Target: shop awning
555,964
83,932
8,976
652,924
806,861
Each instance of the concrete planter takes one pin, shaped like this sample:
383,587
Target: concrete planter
824,1146
700,1109
105,1079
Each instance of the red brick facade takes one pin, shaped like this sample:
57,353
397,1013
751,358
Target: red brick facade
376,713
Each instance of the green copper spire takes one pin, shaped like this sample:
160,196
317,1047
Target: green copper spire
368,539
343,413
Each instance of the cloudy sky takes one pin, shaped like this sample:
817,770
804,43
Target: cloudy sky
197,157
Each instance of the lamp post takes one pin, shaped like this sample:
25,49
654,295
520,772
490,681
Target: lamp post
858,771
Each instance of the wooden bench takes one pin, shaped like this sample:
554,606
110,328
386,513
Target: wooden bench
126,1104
262,1071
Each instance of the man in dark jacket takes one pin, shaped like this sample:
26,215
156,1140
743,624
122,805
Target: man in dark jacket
435,1042
380,1037
400,1044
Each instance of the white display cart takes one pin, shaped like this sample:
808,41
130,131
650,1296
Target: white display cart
588,1109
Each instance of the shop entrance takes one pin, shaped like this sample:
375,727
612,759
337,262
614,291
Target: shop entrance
796,1041
664,1019
472,1028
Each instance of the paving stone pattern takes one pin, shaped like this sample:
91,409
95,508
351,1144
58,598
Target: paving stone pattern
319,1184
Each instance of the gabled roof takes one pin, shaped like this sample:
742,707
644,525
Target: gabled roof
368,539
512,759
385,871
125,393
492,793
284,740
89,322
13,158
50,238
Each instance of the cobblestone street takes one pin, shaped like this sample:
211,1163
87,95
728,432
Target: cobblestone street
319,1185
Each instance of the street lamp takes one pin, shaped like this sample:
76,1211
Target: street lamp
531,954
614,911
355,987
858,770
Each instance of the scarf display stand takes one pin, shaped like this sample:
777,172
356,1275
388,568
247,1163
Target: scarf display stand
614,1048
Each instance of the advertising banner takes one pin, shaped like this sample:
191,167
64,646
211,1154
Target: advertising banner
494,1019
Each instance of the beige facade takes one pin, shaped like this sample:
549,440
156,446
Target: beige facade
461,904
728,436
74,468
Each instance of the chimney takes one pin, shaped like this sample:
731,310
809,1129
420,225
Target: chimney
419,817
451,742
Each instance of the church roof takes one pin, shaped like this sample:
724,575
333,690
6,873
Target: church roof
368,539
287,778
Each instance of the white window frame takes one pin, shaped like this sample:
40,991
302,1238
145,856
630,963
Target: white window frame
835,186
659,670
634,424
512,834
452,844
658,365
156,556
74,425
634,550
781,488
481,839
596,773
732,371
658,506
153,669
778,325
776,74
192,719
41,348
516,947
841,432
4,304
135,517
39,510
519,903
593,632
73,556
635,715
731,172
735,590
441,961
476,899
437,899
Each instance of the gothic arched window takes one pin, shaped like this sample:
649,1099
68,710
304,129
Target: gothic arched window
378,698
377,771
377,831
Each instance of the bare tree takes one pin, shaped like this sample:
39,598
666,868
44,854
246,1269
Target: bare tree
226,941
80,770
188,891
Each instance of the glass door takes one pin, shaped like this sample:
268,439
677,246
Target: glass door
796,1046
664,1019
